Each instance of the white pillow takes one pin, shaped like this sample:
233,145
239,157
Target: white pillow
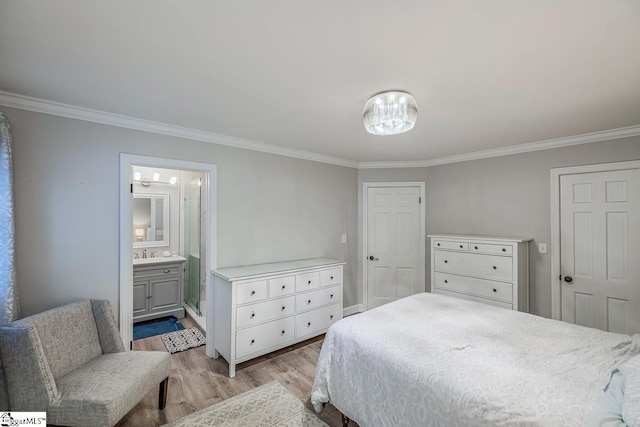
630,372
607,411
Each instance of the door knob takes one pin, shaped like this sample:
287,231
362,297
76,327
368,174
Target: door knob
568,279
372,258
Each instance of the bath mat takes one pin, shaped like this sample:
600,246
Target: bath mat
269,405
162,326
178,341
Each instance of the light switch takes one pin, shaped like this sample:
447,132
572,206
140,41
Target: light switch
344,238
542,248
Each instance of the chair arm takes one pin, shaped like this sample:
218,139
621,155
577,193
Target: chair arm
30,382
110,339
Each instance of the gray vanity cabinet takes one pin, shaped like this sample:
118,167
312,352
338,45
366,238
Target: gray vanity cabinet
157,290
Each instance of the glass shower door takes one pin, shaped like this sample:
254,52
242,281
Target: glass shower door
192,244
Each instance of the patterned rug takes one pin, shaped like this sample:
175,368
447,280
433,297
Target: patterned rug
269,405
183,340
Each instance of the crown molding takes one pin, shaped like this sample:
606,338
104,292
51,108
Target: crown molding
23,102
79,113
585,138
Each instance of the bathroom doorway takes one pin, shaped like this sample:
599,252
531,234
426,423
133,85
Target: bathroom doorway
178,229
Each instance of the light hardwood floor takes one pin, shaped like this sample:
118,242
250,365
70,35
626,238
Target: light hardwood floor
197,382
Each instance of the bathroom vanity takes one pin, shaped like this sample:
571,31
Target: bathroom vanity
157,287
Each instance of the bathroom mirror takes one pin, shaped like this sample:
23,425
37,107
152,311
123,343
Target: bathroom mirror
150,220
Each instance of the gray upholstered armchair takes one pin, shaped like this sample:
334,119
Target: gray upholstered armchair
70,362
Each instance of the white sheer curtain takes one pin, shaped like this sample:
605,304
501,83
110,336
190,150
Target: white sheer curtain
9,305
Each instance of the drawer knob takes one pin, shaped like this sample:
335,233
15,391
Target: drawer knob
504,249
283,308
331,296
282,332
495,290
252,341
308,324
253,315
253,293
309,282
309,302
460,246
331,317
167,271
445,261
438,244
331,277
283,286
495,268
475,247
446,281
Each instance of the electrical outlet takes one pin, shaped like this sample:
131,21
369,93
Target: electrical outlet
542,248
344,238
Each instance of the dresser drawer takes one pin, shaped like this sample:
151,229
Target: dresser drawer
331,276
167,270
251,292
282,286
470,285
307,281
313,299
264,311
487,248
475,299
491,267
311,322
449,245
261,337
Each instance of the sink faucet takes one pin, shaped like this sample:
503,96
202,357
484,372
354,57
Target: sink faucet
153,254
144,254
136,256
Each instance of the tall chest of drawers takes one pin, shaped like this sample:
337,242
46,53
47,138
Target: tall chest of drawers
491,270
261,308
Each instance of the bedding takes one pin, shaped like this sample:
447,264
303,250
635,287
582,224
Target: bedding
434,360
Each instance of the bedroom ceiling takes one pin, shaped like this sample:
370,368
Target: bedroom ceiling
297,74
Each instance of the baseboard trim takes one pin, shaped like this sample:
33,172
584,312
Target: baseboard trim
348,311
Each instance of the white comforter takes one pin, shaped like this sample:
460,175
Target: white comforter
432,360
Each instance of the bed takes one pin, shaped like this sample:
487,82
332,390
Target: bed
436,360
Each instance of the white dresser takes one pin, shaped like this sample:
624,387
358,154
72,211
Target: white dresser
491,270
261,308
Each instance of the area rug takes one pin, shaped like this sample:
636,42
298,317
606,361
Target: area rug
183,340
162,326
269,405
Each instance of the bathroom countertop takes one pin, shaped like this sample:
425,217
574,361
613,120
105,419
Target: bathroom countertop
158,260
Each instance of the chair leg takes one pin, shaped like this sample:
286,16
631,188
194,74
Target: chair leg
162,395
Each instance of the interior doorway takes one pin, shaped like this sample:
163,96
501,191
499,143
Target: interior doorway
394,241
597,238
167,229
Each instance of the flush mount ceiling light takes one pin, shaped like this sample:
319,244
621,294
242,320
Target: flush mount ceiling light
390,113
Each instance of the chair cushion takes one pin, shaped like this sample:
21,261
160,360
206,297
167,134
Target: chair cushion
68,334
105,389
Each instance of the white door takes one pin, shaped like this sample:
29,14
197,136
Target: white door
394,238
600,249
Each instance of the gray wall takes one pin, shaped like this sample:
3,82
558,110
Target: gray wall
269,207
66,172
507,195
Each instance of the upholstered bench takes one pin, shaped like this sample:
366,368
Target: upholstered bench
70,362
